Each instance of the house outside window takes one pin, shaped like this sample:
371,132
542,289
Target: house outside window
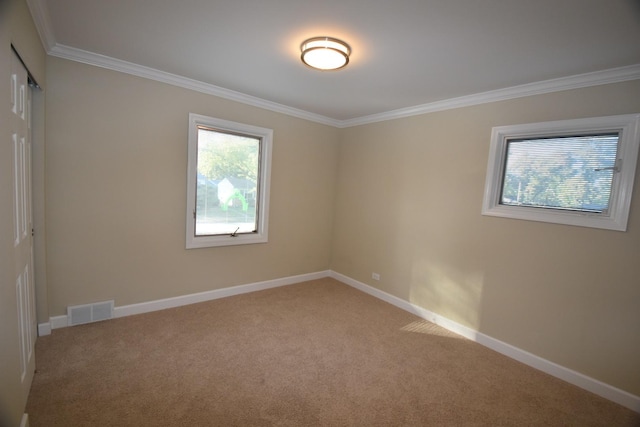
575,172
227,183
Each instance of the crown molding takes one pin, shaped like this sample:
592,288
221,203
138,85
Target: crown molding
40,15
42,22
614,75
90,58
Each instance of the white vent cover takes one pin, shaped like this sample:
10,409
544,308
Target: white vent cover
79,314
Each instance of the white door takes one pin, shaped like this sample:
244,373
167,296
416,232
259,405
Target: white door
22,230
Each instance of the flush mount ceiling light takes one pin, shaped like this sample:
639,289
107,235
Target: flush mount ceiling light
325,53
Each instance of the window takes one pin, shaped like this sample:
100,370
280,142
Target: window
228,183
575,172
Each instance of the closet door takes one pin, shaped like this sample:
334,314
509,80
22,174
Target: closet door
20,105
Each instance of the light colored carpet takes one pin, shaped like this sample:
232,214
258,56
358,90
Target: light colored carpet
314,353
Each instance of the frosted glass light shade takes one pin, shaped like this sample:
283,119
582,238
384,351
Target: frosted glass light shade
325,53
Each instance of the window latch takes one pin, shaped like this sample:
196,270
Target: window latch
615,168
235,233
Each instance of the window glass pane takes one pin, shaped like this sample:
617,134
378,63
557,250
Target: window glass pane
227,183
568,172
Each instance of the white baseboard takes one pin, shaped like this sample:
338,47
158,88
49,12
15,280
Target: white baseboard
44,328
607,391
57,322
145,307
576,378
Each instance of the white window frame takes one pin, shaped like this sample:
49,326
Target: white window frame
266,137
616,218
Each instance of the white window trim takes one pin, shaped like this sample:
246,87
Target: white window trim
615,219
266,135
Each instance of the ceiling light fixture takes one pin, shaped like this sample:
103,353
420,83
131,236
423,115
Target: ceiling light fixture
325,53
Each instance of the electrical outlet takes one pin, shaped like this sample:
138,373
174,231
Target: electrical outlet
375,276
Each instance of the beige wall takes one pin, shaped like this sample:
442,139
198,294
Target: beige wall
116,192
16,28
408,205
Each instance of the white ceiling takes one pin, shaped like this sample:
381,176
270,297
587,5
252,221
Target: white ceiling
408,55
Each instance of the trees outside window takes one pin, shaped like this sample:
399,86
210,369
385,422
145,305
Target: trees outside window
571,172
